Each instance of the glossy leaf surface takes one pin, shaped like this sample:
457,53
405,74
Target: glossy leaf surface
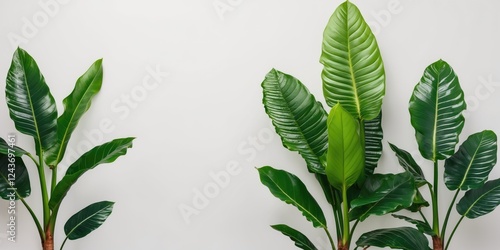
421,225
87,220
481,201
373,143
409,164
405,238
301,241
14,178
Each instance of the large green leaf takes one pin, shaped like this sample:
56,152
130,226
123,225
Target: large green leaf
31,106
405,238
6,148
470,166
409,164
418,202
353,72
14,178
422,226
436,111
481,201
345,155
290,189
301,241
88,219
373,143
298,118
105,153
75,105
382,194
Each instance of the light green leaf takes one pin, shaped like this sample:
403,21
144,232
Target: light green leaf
353,73
301,241
298,118
290,189
405,238
75,105
470,166
345,155
31,105
481,201
436,111
105,153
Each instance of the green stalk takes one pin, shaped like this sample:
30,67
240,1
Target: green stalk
352,230
435,210
453,232
54,179
338,215
35,219
445,224
43,187
423,217
327,233
346,236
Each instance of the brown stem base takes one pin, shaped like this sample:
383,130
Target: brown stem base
48,243
437,242
342,246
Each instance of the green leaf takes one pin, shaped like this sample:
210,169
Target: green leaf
301,241
31,106
408,163
383,194
436,111
298,118
328,189
481,201
353,73
290,189
88,219
6,148
345,154
405,238
373,143
421,225
470,166
105,153
14,178
418,202
75,105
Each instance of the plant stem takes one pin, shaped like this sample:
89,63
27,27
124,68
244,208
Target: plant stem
54,179
423,217
338,215
352,230
35,219
453,232
435,210
346,236
326,230
445,224
43,187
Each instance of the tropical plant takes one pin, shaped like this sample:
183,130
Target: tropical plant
341,147
436,108
33,110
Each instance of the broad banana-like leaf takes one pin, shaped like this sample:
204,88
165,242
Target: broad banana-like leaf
14,178
105,153
298,118
436,111
373,143
87,220
301,241
470,166
409,164
75,105
290,189
383,194
10,148
405,238
481,201
353,73
345,155
31,105
422,226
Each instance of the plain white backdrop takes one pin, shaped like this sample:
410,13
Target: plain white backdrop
183,76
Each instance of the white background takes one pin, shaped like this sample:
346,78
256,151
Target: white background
206,113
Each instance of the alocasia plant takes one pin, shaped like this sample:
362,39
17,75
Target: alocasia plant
33,110
340,147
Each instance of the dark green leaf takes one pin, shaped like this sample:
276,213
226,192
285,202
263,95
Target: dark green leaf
353,73
436,111
345,153
383,194
75,105
418,203
6,148
14,178
421,225
373,143
408,163
88,219
31,106
470,166
405,238
290,189
328,189
301,241
105,153
481,201
298,118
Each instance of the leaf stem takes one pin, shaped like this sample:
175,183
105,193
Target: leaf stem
43,187
35,219
423,217
346,236
352,230
435,209
338,215
327,233
453,232
445,224
54,179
